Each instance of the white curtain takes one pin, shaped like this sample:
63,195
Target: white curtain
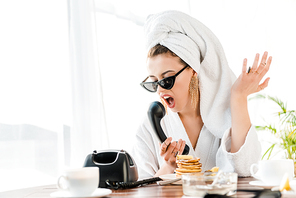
89,129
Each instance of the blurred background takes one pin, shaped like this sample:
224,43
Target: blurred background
70,74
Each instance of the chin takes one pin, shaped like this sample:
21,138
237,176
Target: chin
175,110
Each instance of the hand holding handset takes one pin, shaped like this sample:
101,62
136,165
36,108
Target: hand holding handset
156,112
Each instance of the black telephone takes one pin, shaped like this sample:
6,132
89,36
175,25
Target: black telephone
156,112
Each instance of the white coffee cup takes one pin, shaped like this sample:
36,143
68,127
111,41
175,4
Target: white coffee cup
79,181
271,172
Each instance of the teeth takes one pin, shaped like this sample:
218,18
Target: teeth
166,97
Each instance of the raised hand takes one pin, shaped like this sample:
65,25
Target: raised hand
249,81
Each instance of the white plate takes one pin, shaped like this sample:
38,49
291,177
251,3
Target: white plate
261,184
99,192
170,177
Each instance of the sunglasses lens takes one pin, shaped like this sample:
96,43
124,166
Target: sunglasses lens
150,86
167,83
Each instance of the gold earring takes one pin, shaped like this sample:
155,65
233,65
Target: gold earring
193,91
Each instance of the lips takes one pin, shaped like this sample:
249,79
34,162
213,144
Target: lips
169,101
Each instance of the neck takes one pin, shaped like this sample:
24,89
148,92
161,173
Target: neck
190,112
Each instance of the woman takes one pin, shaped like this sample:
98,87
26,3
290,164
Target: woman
207,105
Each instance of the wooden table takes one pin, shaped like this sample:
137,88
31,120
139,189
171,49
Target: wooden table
152,190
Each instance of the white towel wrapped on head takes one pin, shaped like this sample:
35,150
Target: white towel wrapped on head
194,43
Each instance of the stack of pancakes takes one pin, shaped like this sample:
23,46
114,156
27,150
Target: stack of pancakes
187,164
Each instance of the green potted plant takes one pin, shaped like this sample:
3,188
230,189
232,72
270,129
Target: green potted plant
285,130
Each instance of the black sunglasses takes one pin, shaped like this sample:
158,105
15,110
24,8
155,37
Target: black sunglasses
166,83
266,193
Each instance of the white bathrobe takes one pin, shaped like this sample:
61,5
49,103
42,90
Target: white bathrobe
211,150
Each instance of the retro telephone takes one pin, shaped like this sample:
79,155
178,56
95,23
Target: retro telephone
156,112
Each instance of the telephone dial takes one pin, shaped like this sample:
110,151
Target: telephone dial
156,112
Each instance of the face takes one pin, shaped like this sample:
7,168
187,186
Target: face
165,65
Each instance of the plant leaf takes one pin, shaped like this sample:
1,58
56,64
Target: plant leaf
268,150
258,96
267,127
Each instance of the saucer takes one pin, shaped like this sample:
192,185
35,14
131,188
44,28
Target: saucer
99,192
261,184
170,177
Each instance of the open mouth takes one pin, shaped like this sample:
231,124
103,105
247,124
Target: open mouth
169,101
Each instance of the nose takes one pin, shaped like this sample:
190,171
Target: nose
159,90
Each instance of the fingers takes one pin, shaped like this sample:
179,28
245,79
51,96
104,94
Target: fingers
169,150
164,146
182,147
263,85
255,63
262,63
263,60
263,68
244,70
177,149
250,80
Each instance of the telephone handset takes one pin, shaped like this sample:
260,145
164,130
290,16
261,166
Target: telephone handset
156,112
